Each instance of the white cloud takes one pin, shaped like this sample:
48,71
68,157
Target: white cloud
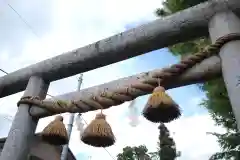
65,25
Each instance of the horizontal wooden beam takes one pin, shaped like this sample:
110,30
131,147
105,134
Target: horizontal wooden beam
185,25
208,69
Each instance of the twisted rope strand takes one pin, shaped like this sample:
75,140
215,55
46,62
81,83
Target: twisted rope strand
118,96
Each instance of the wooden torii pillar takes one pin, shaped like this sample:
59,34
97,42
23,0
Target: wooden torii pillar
23,127
221,24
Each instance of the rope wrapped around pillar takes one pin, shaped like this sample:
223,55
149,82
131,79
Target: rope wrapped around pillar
107,99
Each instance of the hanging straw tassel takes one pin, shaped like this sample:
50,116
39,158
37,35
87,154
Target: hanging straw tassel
55,132
98,133
160,107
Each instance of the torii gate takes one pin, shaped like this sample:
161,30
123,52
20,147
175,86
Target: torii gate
216,17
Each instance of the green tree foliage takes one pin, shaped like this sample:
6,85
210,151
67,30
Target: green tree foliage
190,47
166,149
217,101
219,107
230,143
167,146
134,153
173,6
218,104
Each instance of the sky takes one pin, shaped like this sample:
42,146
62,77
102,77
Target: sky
44,29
